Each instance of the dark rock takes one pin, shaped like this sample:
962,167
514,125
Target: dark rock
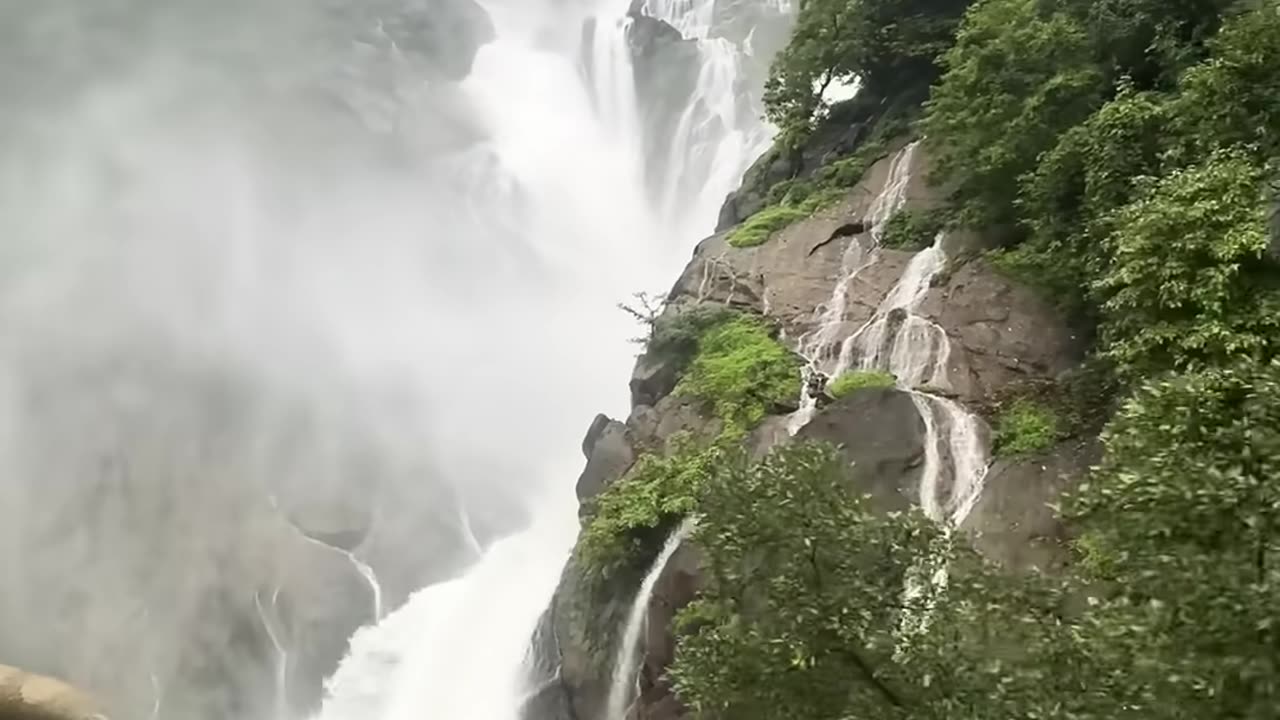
1013,522
676,587
611,455
837,136
594,432
550,701
652,379
1001,332
587,623
880,432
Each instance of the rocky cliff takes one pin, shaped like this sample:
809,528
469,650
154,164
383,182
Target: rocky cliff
999,337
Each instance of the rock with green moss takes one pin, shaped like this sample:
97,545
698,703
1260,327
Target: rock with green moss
1026,428
859,379
742,372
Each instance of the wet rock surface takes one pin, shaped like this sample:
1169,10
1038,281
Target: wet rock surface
999,333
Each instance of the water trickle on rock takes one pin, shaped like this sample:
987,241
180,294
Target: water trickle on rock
622,688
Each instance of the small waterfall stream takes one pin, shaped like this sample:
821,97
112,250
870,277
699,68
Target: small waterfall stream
821,347
914,349
628,658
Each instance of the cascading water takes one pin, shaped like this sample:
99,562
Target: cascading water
912,348
622,687
717,132
821,347
397,668
293,246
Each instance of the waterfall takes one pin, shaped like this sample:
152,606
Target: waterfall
914,349
362,568
456,649
719,133
281,654
627,660
289,246
820,346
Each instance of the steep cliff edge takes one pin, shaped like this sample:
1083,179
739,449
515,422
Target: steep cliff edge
1120,162
1000,334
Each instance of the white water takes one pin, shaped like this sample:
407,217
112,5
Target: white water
261,246
914,349
362,568
623,685
719,133
821,346
457,650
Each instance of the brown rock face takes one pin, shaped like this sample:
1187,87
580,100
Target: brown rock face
882,435
24,696
998,333
1013,522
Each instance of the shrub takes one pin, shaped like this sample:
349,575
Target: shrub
631,518
858,379
1025,428
757,228
674,335
741,371
911,229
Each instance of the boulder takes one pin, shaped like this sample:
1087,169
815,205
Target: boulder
1000,332
1013,522
881,434
652,379
26,696
609,457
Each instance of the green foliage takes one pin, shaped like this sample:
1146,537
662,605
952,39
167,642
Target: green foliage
1181,523
805,614
631,518
1189,283
674,335
791,624
1233,98
858,379
912,229
880,44
1026,428
742,371
794,200
757,228
1019,75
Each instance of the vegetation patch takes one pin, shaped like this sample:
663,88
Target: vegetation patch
675,334
630,519
756,229
1120,152
858,379
912,229
741,371
1026,428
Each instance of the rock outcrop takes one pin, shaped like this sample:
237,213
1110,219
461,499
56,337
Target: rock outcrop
999,335
26,696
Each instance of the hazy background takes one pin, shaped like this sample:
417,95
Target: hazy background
273,270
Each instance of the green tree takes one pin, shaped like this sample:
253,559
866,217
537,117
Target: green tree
889,47
1233,98
1019,75
1190,284
1182,522
820,607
